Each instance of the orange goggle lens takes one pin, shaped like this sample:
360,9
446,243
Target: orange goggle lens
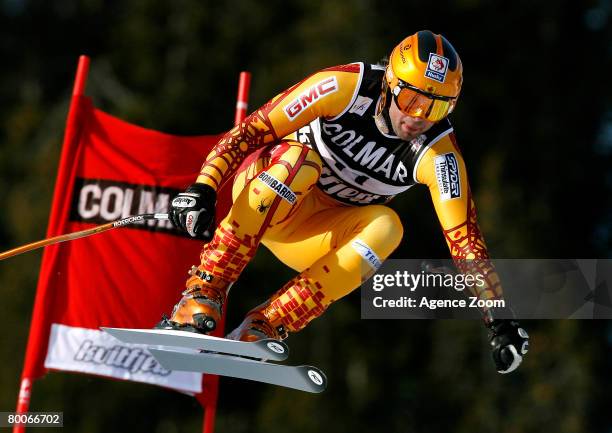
415,104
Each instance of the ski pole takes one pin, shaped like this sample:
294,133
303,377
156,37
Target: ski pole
83,233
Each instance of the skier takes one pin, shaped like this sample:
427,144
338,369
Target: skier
313,169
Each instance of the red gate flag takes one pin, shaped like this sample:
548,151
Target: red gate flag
128,277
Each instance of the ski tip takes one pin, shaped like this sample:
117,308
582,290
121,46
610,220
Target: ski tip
315,377
276,348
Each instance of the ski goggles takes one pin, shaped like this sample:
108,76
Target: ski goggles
414,102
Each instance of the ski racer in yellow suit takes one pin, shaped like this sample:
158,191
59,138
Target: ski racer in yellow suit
313,170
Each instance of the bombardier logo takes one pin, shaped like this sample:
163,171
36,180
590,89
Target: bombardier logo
447,174
310,96
278,187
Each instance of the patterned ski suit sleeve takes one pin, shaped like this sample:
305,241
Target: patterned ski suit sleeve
326,93
443,170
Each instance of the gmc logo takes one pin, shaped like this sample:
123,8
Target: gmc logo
310,96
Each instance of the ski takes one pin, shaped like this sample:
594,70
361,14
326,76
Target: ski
302,377
263,349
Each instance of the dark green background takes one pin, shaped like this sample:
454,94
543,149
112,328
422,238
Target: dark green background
534,122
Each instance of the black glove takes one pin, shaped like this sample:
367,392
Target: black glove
509,343
193,211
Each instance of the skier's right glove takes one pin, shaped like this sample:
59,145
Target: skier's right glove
193,211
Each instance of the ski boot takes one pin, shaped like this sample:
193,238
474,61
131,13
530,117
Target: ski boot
259,323
201,307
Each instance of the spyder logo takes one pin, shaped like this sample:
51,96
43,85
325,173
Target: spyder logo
264,205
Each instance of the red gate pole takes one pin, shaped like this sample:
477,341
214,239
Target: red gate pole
242,102
25,387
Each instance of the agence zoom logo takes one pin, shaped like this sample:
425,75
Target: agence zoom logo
100,201
447,174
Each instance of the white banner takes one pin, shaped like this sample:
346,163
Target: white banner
95,352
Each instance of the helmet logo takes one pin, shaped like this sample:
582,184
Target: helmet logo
401,51
437,66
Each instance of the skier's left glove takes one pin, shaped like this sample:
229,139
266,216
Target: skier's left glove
509,343
193,211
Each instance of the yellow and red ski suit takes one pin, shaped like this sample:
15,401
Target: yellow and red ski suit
312,175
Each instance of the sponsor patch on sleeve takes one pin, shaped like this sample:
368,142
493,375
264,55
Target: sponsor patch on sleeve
448,177
367,253
311,95
278,187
